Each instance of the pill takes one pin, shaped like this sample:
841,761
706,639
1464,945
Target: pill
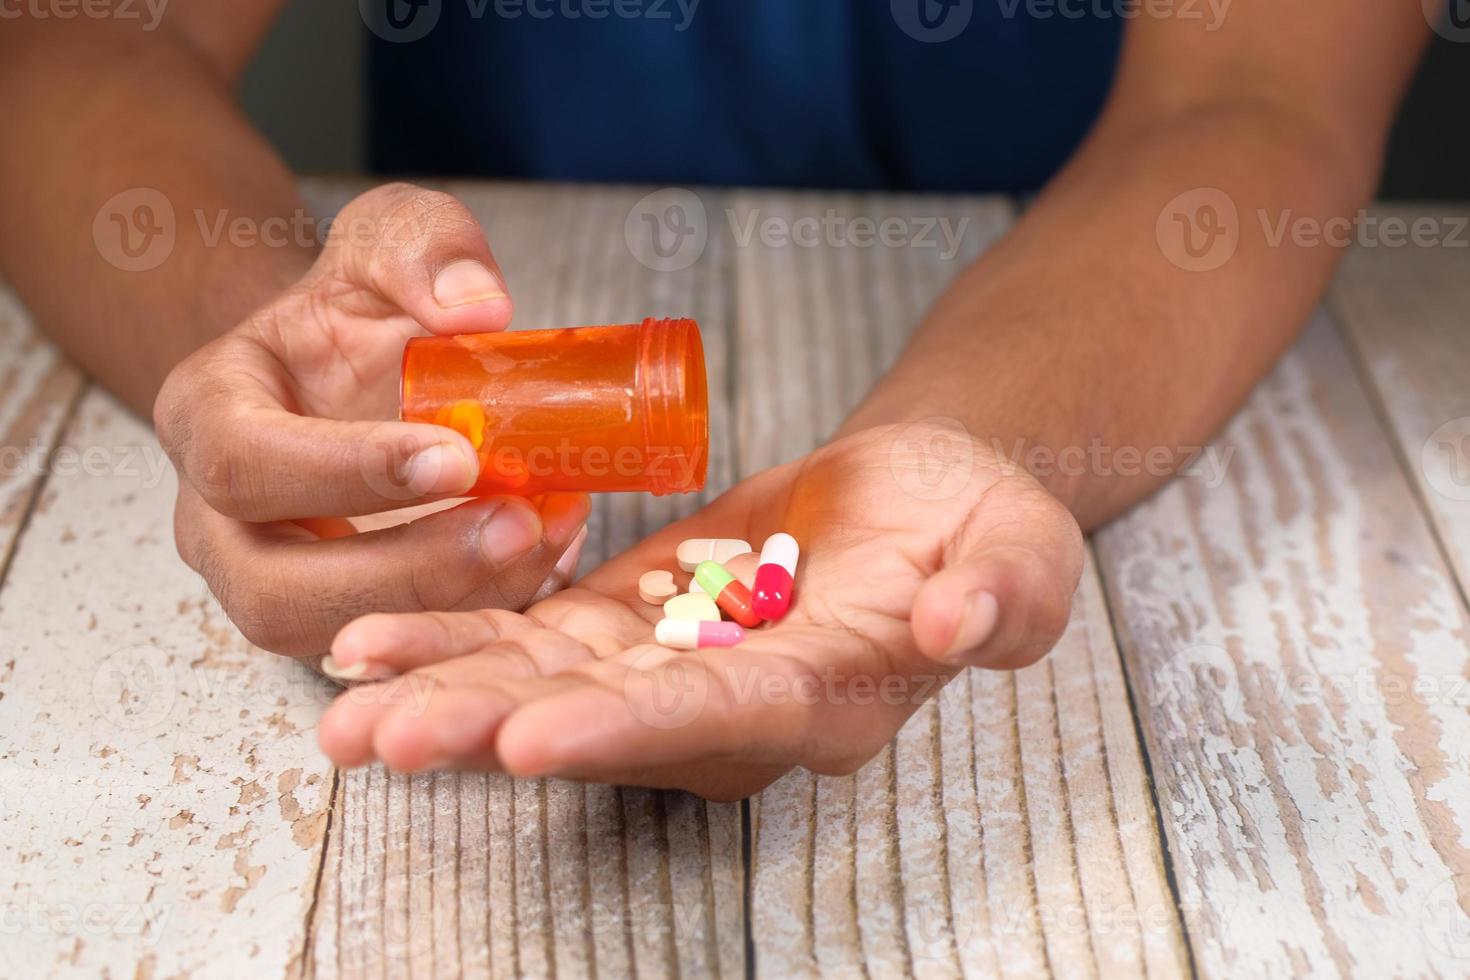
730,593
692,634
692,605
657,587
696,550
775,576
742,566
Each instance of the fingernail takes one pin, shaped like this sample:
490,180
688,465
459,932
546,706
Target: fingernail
440,469
563,514
977,622
360,671
465,282
566,565
511,531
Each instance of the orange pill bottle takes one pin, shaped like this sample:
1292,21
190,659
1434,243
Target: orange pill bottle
595,409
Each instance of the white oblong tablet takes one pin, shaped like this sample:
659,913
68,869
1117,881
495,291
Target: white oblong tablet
695,550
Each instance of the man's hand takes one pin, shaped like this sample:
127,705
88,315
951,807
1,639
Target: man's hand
922,553
281,429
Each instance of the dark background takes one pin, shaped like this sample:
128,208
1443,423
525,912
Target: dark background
307,92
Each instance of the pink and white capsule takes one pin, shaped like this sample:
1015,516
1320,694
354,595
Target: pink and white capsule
775,576
695,634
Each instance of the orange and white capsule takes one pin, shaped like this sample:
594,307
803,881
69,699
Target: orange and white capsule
695,634
730,593
776,576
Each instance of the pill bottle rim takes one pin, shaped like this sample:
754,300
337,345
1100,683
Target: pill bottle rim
674,400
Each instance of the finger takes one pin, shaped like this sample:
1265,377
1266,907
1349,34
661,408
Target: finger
423,252
381,645
345,731
565,571
221,420
470,696
1004,598
292,595
653,707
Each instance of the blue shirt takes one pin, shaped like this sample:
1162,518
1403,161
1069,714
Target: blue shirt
949,95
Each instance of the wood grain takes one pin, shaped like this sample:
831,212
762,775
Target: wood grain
1298,653
1405,309
164,799
1008,830
443,874
38,390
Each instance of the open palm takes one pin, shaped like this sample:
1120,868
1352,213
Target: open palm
922,554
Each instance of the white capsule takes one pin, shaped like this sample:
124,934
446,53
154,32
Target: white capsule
679,634
781,549
695,550
692,634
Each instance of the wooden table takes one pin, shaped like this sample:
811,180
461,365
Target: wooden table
1249,756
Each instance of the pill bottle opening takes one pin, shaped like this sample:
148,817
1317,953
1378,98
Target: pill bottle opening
675,402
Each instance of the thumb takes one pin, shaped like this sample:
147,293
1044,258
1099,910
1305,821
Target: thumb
423,252
1003,598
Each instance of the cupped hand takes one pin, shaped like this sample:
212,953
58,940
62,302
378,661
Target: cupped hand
922,553
285,426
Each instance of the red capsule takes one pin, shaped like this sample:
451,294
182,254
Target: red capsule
775,576
730,594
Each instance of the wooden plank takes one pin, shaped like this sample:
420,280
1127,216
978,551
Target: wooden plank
1298,652
164,799
479,874
38,390
1008,829
1403,309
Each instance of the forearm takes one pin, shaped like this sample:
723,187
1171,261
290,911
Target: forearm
1080,346
99,108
